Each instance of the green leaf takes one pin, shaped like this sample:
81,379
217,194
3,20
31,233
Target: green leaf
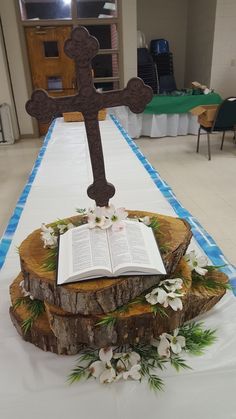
81,210
107,321
77,374
208,283
155,383
19,302
211,268
178,363
156,309
154,224
35,307
50,262
89,357
197,339
27,324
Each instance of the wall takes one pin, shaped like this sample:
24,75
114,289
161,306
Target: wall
223,73
16,64
166,19
5,87
129,36
200,38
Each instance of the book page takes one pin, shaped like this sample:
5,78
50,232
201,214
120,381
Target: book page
127,246
134,248
89,249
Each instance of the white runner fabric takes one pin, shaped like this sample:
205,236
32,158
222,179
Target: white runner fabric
152,125
32,382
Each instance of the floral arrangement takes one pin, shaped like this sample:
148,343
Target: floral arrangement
100,217
167,294
141,361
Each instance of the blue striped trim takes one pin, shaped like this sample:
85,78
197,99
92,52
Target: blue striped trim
15,218
204,240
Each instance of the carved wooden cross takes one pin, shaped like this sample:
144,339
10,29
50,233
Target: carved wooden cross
82,47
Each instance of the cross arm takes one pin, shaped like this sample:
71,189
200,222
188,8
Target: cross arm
45,108
136,95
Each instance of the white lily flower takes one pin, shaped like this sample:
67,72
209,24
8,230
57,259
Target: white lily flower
174,301
96,368
196,263
24,292
177,342
69,226
108,375
48,236
126,360
105,354
163,348
134,358
157,295
96,217
151,298
133,372
103,369
62,228
146,220
116,217
172,284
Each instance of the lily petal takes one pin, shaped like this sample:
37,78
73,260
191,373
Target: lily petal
105,354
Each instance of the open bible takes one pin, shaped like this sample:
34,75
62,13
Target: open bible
86,253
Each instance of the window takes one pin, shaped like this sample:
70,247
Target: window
50,49
106,35
54,83
51,9
96,9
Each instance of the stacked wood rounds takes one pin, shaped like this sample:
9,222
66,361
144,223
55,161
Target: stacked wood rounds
74,313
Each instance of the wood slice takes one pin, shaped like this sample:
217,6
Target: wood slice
40,334
104,294
201,299
138,324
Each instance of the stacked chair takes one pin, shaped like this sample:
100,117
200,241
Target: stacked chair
147,69
163,59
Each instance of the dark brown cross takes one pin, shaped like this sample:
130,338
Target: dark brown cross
82,47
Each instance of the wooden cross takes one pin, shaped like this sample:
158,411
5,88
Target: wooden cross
82,47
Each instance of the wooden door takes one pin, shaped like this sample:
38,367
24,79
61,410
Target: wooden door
51,69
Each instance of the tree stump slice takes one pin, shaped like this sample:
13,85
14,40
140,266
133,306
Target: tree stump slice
64,333
99,296
201,299
40,334
138,324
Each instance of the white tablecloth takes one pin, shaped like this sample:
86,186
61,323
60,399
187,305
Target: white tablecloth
32,382
151,125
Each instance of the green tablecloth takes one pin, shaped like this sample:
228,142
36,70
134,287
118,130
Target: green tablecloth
180,104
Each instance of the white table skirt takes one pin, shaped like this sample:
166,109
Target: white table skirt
32,382
151,125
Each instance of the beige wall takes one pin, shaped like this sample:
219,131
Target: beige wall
223,73
166,19
129,36
5,87
200,37
15,58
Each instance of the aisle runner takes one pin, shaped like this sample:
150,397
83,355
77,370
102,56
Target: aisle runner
33,382
205,241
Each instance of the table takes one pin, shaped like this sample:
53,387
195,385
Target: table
32,382
165,116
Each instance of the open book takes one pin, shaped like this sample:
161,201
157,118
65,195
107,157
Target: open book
90,253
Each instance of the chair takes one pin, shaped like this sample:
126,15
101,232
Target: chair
225,120
167,84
